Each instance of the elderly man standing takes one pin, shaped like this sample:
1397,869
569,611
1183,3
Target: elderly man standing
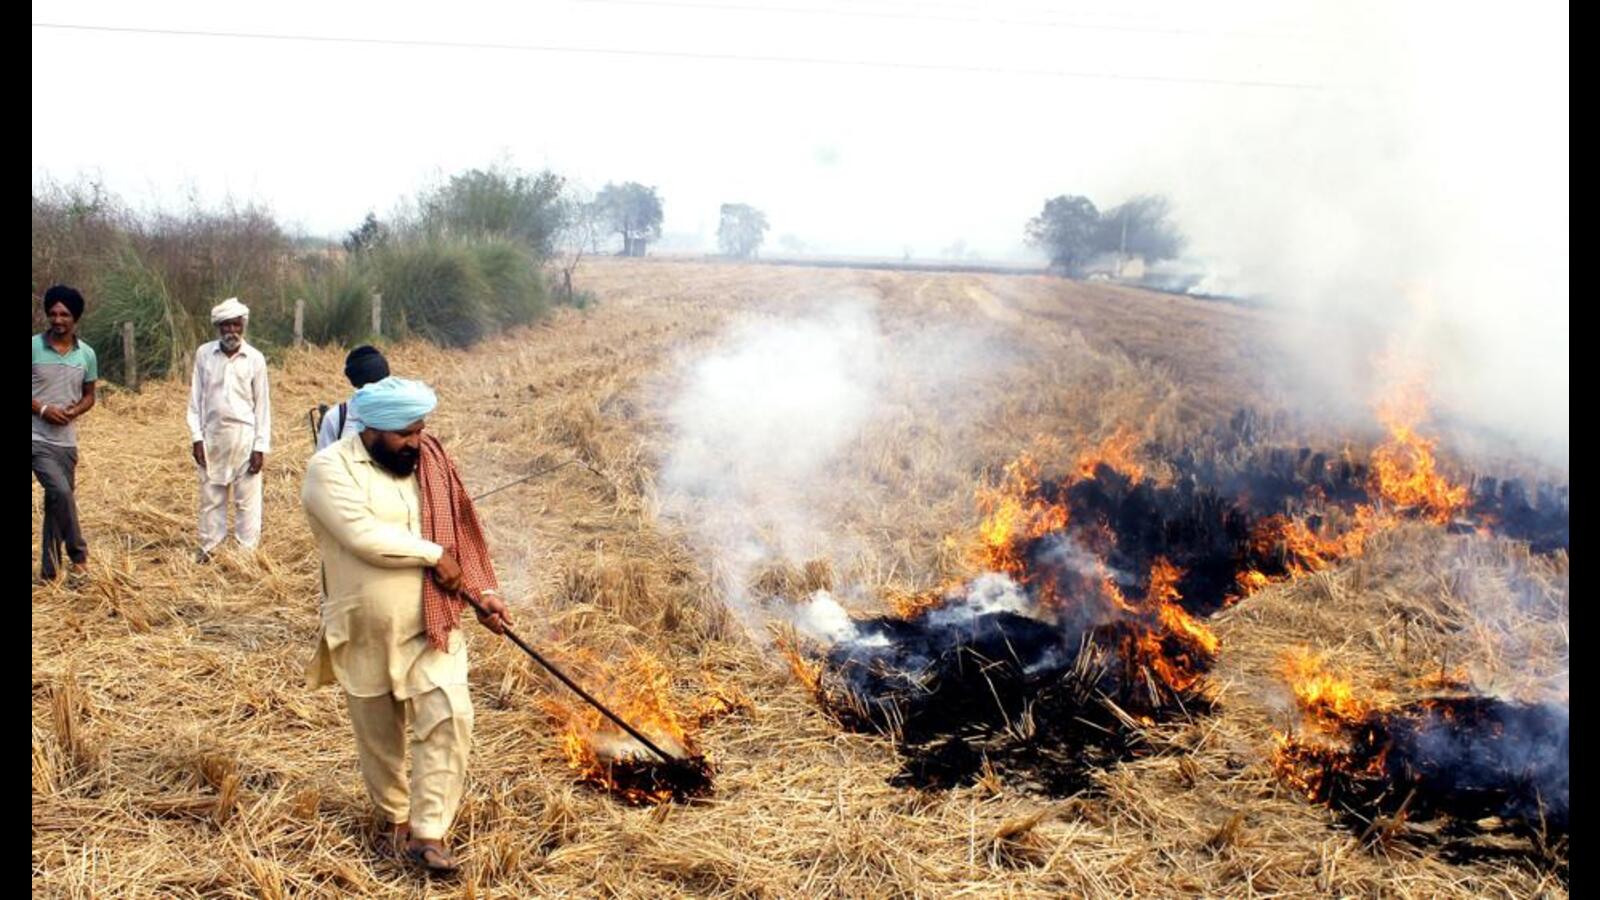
64,373
230,423
400,542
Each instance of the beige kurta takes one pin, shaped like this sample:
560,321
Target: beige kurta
368,527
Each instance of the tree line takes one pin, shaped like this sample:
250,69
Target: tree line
481,249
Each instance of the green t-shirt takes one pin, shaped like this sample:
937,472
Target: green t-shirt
58,379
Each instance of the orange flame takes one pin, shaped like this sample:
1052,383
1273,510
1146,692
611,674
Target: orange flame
1178,646
1158,634
1338,716
1014,513
1325,698
1302,550
910,604
808,671
1116,453
1404,471
639,691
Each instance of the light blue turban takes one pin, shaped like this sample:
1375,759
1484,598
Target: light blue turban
393,403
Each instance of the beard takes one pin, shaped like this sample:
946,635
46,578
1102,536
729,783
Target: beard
398,463
231,342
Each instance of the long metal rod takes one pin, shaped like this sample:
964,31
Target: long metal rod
666,757
522,479
544,471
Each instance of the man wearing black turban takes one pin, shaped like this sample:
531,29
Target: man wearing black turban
363,366
64,374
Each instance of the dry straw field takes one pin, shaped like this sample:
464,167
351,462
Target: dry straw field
175,751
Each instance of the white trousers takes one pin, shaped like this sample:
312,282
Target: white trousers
214,511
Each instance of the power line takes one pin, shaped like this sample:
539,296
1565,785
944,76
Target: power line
683,54
864,13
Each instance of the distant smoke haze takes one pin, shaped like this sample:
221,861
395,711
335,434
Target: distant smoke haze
1425,216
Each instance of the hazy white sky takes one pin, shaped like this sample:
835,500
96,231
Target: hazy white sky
1342,154
937,122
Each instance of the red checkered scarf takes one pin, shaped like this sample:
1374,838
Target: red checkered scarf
450,520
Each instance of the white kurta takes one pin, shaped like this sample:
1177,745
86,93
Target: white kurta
230,413
329,431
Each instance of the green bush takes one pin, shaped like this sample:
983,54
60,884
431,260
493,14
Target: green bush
516,288
434,289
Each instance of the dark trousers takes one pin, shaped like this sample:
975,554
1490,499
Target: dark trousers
56,468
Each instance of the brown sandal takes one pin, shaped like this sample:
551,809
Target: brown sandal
434,859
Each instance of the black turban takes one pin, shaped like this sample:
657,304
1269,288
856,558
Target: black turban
63,294
364,365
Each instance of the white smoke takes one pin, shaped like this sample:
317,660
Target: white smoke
760,423
755,424
1421,211
989,593
822,619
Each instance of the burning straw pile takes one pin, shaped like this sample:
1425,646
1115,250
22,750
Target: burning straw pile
1044,665
1479,762
602,754
1085,624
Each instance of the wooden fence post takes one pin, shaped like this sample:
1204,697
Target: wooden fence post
130,357
300,323
377,314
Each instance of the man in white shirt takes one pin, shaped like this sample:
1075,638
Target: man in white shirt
363,366
230,423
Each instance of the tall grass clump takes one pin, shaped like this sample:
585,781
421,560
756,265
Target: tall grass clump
131,290
77,231
206,256
433,288
338,305
516,285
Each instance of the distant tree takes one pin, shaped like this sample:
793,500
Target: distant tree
632,210
582,224
368,235
742,230
1139,228
1066,228
500,200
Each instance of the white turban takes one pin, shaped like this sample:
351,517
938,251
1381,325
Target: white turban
230,308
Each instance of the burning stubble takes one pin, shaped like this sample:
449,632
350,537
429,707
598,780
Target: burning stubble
1483,763
1094,586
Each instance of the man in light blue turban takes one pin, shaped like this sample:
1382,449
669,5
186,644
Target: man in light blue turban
391,572
391,404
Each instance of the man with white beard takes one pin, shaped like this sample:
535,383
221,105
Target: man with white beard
230,423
